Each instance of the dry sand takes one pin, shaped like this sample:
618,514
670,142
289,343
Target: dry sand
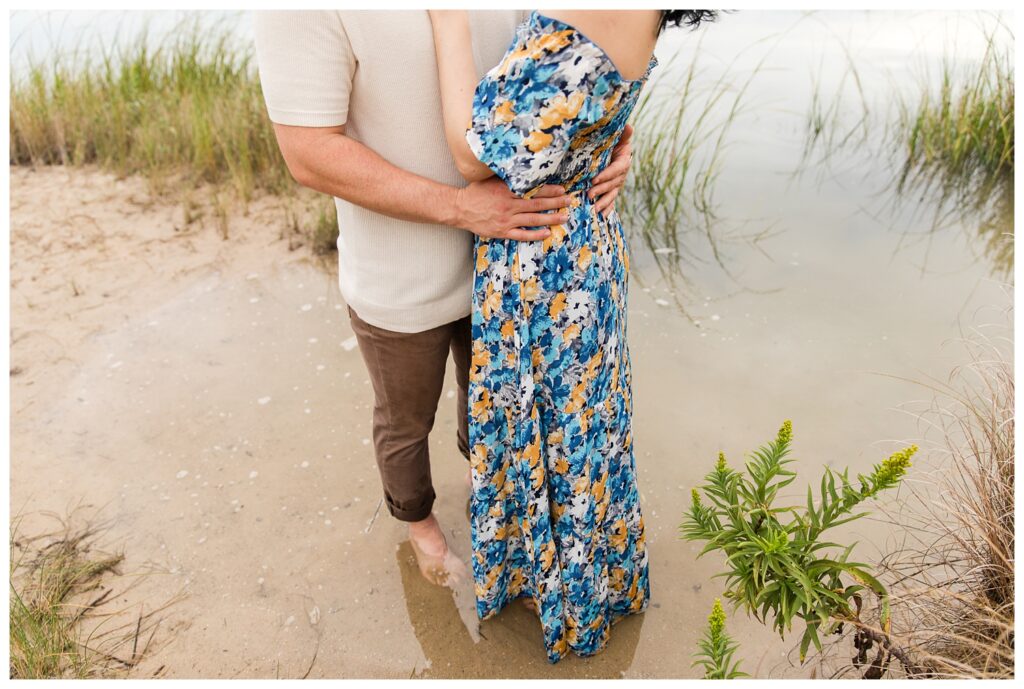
205,396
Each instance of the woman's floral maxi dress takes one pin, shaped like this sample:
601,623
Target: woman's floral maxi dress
555,510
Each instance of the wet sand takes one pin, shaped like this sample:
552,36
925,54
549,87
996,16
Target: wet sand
207,397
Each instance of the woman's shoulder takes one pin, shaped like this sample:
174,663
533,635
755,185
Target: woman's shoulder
612,38
548,48
548,51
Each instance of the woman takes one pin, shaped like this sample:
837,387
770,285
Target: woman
555,513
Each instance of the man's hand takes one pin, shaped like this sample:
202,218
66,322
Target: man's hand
489,209
608,184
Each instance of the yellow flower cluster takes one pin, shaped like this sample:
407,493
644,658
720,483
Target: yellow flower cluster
786,432
720,467
716,620
894,467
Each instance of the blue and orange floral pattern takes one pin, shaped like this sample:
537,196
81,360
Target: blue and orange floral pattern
555,511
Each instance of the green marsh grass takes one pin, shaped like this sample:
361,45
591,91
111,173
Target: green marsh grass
184,113
957,145
43,625
827,128
947,139
682,131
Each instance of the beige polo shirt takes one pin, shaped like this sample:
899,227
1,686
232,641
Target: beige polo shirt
375,72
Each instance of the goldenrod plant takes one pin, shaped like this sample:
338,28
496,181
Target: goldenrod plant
717,648
779,566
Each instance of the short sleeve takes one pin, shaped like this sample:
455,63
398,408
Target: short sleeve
306,66
527,110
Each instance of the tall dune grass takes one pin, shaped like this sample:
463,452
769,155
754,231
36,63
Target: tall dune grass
185,112
189,105
66,619
45,637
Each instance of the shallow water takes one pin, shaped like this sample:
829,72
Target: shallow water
227,421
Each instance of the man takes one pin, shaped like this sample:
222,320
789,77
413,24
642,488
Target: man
354,99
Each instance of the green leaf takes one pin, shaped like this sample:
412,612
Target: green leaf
864,578
885,617
805,643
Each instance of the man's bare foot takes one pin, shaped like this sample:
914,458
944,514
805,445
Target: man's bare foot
428,537
436,562
530,604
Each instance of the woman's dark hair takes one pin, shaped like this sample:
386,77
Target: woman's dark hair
690,18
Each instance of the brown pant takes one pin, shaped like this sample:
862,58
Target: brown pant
407,373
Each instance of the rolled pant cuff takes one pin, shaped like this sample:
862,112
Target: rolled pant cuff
414,515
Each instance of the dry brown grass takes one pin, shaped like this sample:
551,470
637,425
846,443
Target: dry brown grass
951,579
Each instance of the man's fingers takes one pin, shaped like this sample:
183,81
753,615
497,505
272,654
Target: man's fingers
599,189
616,168
523,235
607,200
539,219
627,134
547,203
619,164
621,156
550,190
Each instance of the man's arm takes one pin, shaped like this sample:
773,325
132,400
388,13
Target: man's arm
306,66
324,159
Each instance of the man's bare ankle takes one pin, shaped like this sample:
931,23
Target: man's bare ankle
426,524
428,536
